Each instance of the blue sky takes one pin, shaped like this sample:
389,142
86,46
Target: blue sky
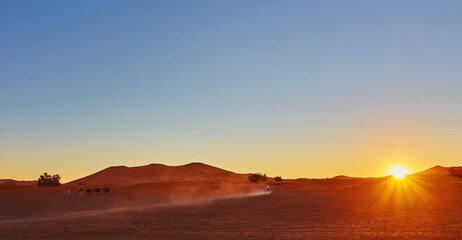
296,88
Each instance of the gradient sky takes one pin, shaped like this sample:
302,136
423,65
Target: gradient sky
290,88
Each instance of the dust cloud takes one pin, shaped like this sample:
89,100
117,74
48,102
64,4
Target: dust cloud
141,204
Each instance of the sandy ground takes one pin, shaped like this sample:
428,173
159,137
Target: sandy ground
304,209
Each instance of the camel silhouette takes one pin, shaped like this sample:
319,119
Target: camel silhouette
97,191
106,191
81,192
89,191
100,191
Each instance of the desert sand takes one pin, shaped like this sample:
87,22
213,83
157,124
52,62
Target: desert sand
197,201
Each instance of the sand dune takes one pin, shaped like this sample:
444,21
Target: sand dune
17,183
199,178
193,172
189,179
197,201
434,171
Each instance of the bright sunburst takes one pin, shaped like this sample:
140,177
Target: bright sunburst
399,172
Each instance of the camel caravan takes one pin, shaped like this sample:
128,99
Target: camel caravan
103,191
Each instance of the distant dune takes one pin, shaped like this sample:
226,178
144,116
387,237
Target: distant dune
189,179
436,170
193,172
199,178
17,183
345,177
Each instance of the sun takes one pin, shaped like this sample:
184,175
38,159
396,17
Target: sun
399,172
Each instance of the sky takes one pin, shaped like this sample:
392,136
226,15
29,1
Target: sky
290,88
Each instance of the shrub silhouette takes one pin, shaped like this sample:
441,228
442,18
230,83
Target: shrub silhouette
455,171
257,177
46,180
278,179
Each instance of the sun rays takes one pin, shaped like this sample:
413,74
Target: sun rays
401,191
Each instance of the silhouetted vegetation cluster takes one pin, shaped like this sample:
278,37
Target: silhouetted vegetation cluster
257,177
46,180
278,179
456,171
